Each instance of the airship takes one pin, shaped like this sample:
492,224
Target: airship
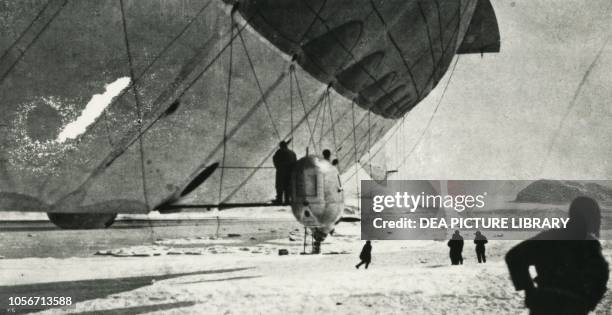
124,106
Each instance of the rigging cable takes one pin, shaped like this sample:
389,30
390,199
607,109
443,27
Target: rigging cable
397,48
323,116
227,105
304,118
312,23
431,77
333,127
115,155
380,147
433,114
314,128
23,51
370,143
263,96
357,125
137,79
149,66
403,118
25,31
348,50
356,160
138,110
301,97
291,69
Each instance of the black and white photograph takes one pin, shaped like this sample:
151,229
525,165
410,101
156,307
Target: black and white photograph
305,156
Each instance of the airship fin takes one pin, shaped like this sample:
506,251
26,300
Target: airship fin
482,35
193,182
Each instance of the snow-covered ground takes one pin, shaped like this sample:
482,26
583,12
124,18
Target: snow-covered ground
215,277
268,213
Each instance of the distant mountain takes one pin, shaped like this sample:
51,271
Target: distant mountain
555,191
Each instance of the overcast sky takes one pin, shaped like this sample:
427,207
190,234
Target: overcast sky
501,112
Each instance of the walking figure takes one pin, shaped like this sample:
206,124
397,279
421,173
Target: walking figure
366,255
480,241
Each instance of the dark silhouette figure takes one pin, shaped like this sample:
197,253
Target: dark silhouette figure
480,241
283,159
335,162
366,255
327,154
456,249
571,271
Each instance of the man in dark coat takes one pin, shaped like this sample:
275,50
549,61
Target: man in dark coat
456,248
571,270
366,255
480,241
283,159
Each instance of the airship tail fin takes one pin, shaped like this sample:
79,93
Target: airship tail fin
482,35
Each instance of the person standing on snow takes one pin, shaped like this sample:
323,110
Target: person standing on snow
480,241
456,249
